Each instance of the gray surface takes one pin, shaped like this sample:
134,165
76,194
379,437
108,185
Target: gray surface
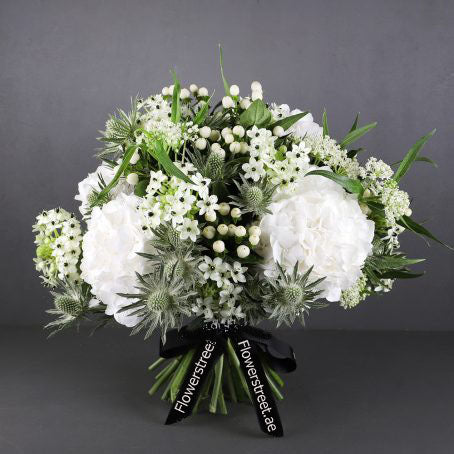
66,64
353,392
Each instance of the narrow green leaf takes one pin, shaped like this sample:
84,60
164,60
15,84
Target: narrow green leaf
203,112
355,123
354,135
410,224
411,156
127,157
353,186
386,262
325,124
353,153
256,114
224,80
176,103
419,158
289,121
217,384
161,155
400,274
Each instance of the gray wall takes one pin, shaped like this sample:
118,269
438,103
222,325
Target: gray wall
66,64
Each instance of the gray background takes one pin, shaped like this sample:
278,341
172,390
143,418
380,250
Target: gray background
66,64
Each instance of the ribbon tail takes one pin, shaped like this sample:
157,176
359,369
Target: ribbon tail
203,360
261,395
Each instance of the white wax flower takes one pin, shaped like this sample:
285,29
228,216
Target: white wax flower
110,260
318,225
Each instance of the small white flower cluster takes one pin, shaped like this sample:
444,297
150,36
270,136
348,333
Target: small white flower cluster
376,169
58,238
396,202
355,294
228,278
175,201
329,152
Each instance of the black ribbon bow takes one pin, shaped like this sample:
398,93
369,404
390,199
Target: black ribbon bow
210,342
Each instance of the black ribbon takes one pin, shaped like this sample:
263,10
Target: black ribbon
210,342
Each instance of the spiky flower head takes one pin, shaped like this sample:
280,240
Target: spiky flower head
162,301
254,197
215,165
71,304
290,296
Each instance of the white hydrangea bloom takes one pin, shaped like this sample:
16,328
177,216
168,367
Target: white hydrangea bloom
114,237
319,225
91,183
304,127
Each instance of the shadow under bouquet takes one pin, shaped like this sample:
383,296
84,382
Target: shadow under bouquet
224,215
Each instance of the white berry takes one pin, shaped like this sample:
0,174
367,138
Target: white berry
208,232
223,229
132,178
235,147
256,95
184,93
234,90
254,230
243,251
201,143
224,209
210,216
205,132
240,231
256,86
203,91
228,138
193,88
245,103
254,240
238,131
218,246
135,158
278,131
227,102
235,213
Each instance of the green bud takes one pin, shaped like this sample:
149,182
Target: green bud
44,251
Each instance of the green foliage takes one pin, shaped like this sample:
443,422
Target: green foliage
224,80
325,124
353,186
288,122
176,102
354,135
411,156
256,114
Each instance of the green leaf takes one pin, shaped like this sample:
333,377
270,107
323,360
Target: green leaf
203,112
353,153
289,121
256,114
127,157
400,274
411,156
160,154
410,224
176,103
376,207
355,123
354,135
141,187
419,158
325,124
386,262
353,186
224,80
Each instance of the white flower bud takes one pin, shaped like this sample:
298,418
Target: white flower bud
256,86
228,138
254,240
223,229
243,251
132,178
210,216
226,131
234,90
244,147
254,230
245,103
135,158
205,132
201,143
235,213
232,229
216,147
256,95
215,135
209,232
193,88
203,91
238,131
224,208
240,231
408,212
278,131
235,147
184,93
165,91
367,193
171,87
218,246
227,102
219,152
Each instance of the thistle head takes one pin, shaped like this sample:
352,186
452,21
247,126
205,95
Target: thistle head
67,305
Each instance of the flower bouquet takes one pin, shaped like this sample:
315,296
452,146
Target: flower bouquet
224,215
